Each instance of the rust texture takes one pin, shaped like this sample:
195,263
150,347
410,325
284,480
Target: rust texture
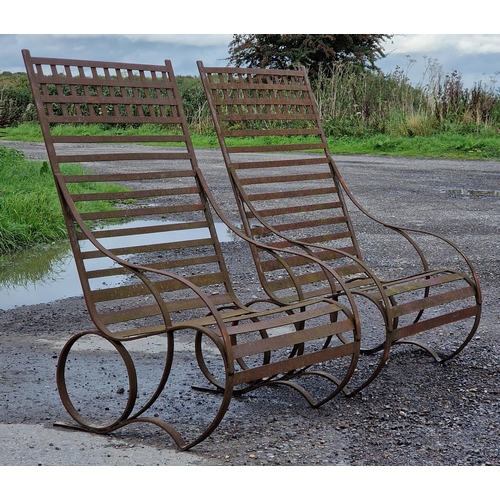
300,201
155,245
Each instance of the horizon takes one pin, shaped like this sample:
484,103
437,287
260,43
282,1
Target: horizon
476,58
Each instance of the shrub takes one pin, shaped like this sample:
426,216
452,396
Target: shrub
16,100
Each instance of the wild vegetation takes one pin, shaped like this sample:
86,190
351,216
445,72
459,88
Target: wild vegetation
363,110
357,105
29,208
16,100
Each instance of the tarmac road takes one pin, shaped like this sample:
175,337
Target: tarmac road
414,413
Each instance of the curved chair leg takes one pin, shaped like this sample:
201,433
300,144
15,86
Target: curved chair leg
375,373
441,357
391,340
82,422
125,417
213,377
166,372
226,389
178,439
339,384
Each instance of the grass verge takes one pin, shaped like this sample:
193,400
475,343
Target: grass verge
483,145
30,213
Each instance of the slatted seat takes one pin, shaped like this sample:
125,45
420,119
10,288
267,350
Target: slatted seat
151,264
291,195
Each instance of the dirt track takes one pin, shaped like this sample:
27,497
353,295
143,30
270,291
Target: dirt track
414,413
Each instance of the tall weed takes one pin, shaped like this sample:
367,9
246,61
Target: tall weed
356,101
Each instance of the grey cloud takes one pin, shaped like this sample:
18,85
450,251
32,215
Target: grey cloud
183,53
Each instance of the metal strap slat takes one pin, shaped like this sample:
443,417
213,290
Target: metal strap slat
136,176
145,193
108,100
323,306
242,85
271,133
396,287
300,193
103,81
112,119
435,322
171,264
267,149
294,363
169,285
75,158
271,179
127,314
291,226
139,212
317,291
296,260
82,63
104,273
280,163
326,237
181,305
248,71
148,311
96,254
281,244
432,301
270,100
250,315
138,333
118,139
132,231
418,282
288,339
235,117
298,209
219,299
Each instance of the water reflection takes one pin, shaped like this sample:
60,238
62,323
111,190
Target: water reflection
44,275
38,276
473,192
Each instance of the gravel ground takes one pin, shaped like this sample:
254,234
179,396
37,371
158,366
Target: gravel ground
415,413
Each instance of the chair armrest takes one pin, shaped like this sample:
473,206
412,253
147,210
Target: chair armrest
334,279
403,231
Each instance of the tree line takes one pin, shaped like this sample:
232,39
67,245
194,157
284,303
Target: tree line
353,95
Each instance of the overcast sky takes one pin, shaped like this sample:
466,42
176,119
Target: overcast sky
475,56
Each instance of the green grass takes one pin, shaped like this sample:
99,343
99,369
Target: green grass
30,213
482,145
444,145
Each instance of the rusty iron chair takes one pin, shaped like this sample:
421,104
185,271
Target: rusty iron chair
154,242
300,201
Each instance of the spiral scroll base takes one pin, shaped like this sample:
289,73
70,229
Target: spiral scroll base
127,416
440,351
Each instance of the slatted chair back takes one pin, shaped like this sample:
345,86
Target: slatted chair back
143,205
298,195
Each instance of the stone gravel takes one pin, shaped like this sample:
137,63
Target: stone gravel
415,413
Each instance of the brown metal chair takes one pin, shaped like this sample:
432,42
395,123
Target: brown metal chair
291,194
155,244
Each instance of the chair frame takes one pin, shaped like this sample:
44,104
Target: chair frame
248,103
157,299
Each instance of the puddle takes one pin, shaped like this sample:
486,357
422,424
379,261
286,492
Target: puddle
472,192
42,276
